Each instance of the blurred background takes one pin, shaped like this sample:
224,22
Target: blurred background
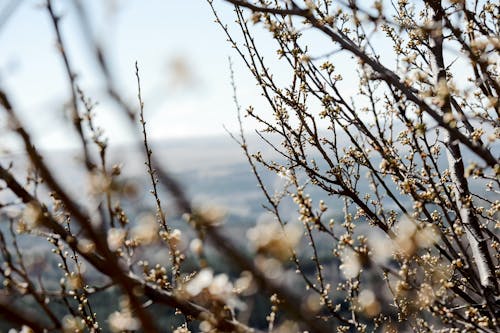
182,56
186,87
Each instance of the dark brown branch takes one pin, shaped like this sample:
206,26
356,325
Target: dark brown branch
384,74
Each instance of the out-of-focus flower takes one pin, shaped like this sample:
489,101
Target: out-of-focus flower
220,286
310,4
196,246
175,237
207,285
75,281
86,245
381,247
211,214
181,73
73,324
442,91
116,238
146,230
384,165
206,326
123,321
271,267
99,183
268,237
24,329
313,303
368,303
244,284
21,227
410,236
427,235
201,281
351,264
32,214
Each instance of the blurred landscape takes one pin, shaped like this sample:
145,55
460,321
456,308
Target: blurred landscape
215,173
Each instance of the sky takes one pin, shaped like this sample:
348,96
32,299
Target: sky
182,55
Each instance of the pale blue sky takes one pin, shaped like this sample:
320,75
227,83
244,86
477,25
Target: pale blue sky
194,100
161,35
